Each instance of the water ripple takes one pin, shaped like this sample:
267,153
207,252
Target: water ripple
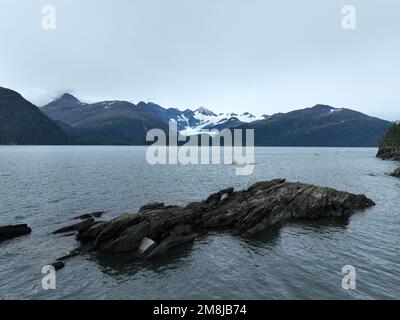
46,186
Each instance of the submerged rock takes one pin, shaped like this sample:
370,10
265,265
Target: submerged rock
157,228
10,232
96,214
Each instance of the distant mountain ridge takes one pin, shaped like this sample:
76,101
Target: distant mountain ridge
319,126
106,122
22,123
109,121
67,120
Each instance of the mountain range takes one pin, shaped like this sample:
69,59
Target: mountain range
114,122
320,125
68,120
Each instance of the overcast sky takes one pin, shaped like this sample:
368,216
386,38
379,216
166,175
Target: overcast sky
260,56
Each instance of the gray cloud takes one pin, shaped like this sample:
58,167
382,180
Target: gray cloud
229,55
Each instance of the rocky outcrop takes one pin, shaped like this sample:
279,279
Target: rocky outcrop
389,153
10,232
157,228
396,173
389,148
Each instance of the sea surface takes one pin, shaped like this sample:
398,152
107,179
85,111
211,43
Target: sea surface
47,186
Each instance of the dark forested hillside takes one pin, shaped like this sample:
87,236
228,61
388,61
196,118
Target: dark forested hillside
23,123
390,145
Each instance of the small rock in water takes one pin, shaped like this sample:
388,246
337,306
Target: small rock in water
10,232
58,265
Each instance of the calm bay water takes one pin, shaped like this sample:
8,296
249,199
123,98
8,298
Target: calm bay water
47,186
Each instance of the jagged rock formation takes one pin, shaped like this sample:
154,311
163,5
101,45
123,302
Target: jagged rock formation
157,228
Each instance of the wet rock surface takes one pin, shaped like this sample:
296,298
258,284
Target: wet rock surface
10,232
58,265
157,228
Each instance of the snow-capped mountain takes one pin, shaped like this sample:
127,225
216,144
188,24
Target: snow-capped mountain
122,118
204,120
200,120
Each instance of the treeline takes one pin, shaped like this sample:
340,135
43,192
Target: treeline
392,137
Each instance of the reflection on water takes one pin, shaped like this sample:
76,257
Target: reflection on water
125,265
